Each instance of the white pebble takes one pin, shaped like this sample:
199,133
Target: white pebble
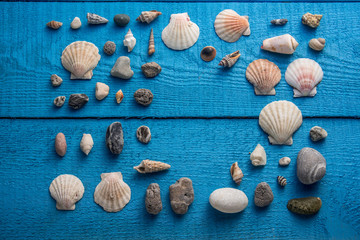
228,200
258,156
76,23
284,161
101,91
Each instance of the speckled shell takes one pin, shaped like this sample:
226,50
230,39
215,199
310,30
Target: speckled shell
230,26
284,44
281,181
54,24
311,20
236,173
230,59
86,143
264,75
151,48
148,16
304,75
317,44
181,33
66,189
258,156
280,119
129,41
149,166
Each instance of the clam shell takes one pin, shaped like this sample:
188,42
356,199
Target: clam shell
228,200
304,75
151,48
86,143
284,44
258,156
149,166
280,119
317,44
148,16
236,173
230,59
129,41
54,24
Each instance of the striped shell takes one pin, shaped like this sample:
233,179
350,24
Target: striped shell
151,48
148,16
54,24
236,173
230,26
230,59
281,181
284,44
149,166
317,44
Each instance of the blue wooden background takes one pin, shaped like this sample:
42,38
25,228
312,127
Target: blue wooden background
202,119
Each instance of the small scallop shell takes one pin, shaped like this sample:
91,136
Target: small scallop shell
264,75
258,156
284,44
54,24
148,16
236,173
281,181
129,41
304,75
230,59
86,143
230,26
317,44
208,53
151,48
149,166
66,189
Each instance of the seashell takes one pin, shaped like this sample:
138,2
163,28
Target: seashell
228,200
112,193
143,134
230,26
56,80
310,166
59,101
279,22
317,44
119,96
80,58
151,48
285,161
304,206
281,181
208,53
149,166
258,156
76,23
101,91
230,59
311,20
317,133
264,75
236,173
60,144
304,75
180,33
66,189
284,44
280,119
148,16
86,143
93,18
129,41
54,24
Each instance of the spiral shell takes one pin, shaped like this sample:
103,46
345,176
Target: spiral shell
236,173
151,48
258,156
54,24
149,166
86,143
129,41
317,44
148,16
284,44
230,59
230,26
281,181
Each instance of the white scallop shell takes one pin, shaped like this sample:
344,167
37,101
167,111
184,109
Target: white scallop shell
304,75
258,156
280,119
80,58
86,143
181,33
66,189
112,193
230,26
284,44
129,41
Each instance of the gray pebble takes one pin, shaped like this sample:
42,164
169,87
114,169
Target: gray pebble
263,195
181,195
122,69
109,48
78,100
143,134
151,69
121,19
310,166
115,138
143,96
279,22
56,80
317,133
93,18
59,101
153,202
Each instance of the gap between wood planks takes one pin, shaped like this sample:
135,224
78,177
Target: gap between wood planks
188,1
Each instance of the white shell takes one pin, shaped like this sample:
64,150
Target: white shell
112,193
285,161
86,143
280,119
228,200
76,23
181,33
317,44
101,91
304,75
129,41
80,58
284,44
66,189
258,156
230,26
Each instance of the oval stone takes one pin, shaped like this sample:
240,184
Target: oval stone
115,138
60,144
310,166
228,200
121,20
305,206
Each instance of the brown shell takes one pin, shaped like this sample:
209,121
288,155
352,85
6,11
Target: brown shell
149,166
236,173
151,48
230,59
208,53
54,24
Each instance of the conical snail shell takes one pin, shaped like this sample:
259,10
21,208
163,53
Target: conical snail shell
258,156
129,41
86,143
317,44
230,26
148,16
151,48
284,44
149,166
54,24
236,173
230,59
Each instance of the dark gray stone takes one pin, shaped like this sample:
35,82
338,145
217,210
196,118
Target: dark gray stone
78,100
181,195
115,138
151,69
317,133
95,19
304,206
121,19
143,134
143,96
122,69
59,101
56,80
109,48
279,22
263,195
153,202
310,166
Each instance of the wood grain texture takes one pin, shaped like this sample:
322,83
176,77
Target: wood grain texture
200,149
187,86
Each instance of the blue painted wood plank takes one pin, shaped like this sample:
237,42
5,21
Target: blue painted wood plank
187,86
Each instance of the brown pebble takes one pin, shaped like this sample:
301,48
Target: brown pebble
153,199
60,144
208,53
181,195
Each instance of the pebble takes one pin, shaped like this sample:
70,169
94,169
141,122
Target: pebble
310,166
60,144
86,143
143,134
109,48
228,200
279,22
101,91
121,19
151,69
153,202
181,195
119,96
285,161
311,20
317,133
76,23
56,80
208,53
59,101
304,206
78,100
122,68
143,96
281,181
115,138
263,195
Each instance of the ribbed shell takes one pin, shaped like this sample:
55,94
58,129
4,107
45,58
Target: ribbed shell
66,189
284,44
54,24
264,75
148,16
80,58
304,75
230,59
236,173
230,26
181,33
317,44
149,166
112,193
280,119
281,181
151,48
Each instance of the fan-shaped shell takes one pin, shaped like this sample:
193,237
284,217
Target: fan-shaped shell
66,189
181,33
280,119
230,26
148,16
264,75
112,193
304,75
80,58
149,166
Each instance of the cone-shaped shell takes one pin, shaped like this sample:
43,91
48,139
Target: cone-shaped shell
304,75
230,59
230,26
80,58
86,143
280,119
149,166
151,48
129,41
181,33
148,16
284,44
54,24
264,75
66,189
112,193
236,173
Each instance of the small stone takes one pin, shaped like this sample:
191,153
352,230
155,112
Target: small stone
86,143
279,22
78,100
143,96
310,166
56,80
151,69
208,53
317,133
76,23
311,20
181,195
263,195
101,91
228,200
143,134
119,96
59,101
109,48
153,202
304,206
285,161
93,18
60,144
115,138
122,68
258,156
121,19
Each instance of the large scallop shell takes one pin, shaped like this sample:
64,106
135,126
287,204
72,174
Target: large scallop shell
112,193
264,75
280,119
181,33
304,75
284,44
230,26
66,189
80,58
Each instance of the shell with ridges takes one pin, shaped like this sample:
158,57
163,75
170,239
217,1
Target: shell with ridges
149,166
317,44
230,59
258,156
236,173
284,44
54,24
281,181
148,16
151,48
129,41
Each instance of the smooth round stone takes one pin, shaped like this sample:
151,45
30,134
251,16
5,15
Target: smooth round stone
310,166
121,19
305,206
263,195
228,200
